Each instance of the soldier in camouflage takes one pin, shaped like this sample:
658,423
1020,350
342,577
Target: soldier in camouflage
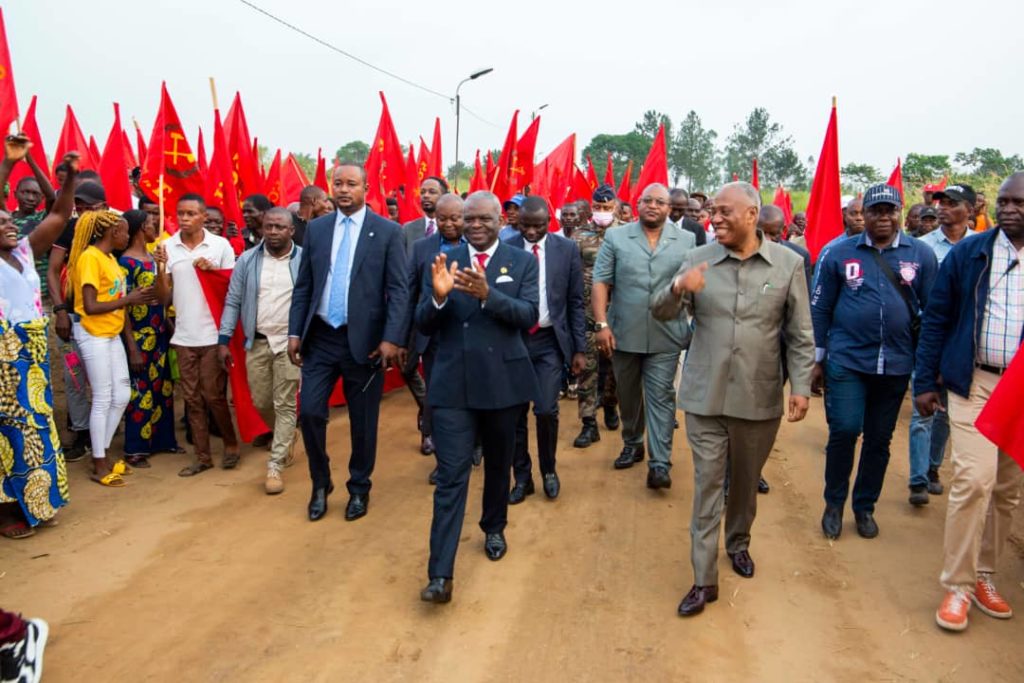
597,378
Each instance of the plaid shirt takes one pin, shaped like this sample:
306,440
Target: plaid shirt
1004,310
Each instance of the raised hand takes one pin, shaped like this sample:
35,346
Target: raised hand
16,147
442,278
472,281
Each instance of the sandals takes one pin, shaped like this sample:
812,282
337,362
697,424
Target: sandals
17,531
112,479
140,461
121,467
195,468
231,460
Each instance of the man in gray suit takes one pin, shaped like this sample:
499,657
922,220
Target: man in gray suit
431,190
636,261
746,293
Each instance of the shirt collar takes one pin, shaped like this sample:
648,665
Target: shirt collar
176,239
1004,242
473,251
864,239
763,250
357,218
441,240
542,243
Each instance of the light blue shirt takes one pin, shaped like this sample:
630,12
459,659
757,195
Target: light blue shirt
355,226
939,243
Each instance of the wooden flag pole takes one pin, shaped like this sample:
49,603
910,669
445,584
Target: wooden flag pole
213,93
161,191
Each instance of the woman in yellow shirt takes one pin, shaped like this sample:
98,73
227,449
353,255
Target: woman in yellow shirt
96,284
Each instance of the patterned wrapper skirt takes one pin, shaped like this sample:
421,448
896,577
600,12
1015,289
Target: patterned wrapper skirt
32,469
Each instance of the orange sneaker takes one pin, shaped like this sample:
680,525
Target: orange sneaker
952,613
988,599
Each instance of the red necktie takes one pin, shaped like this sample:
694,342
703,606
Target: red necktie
481,258
536,254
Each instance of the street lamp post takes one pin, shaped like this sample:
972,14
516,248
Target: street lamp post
458,112
533,114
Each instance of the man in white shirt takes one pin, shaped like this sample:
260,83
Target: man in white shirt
203,378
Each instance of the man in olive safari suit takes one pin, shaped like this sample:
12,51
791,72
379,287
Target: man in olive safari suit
743,291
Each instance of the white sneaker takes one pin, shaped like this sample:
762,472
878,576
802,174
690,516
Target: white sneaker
22,662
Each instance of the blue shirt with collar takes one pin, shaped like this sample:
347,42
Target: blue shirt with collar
446,246
508,232
861,321
939,243
355,226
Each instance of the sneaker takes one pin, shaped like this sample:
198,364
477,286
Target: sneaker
918,495
988,599
952,613
274,483
934,485
23,661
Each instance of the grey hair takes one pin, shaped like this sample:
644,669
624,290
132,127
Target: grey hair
484,195
747,189
654,186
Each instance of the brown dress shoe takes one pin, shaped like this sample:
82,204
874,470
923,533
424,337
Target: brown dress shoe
695,600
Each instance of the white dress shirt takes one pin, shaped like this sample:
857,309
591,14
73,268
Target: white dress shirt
355,227
194,325
544,320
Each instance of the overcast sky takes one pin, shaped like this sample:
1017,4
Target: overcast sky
928,77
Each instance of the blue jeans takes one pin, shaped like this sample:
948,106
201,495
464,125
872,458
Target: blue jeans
856,402
928,437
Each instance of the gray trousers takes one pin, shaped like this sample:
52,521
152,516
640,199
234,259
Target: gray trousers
719,442
646,397
76,385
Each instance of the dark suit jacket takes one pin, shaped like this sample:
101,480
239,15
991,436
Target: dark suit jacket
413,231
563,270
806,255
420,260
482,362
696,228
377,293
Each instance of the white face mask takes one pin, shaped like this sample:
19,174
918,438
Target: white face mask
603,219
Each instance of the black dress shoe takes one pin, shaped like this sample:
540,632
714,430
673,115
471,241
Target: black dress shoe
866,525
357,505
658,478
742,564
438,591
433,476
611,418
832,522
427,446
762,486
588,434
629,456
478,456
551,485
318,502
695,600
520,491
495,546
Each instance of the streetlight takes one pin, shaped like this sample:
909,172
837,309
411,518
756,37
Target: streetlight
533,114
458,111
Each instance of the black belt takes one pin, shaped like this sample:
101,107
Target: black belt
990,368
259,335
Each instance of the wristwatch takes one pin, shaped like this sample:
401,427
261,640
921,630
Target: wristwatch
61,307
598,326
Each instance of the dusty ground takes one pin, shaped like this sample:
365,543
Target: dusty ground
208,579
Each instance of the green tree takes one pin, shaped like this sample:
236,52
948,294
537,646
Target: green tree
307,163
860,176
693,155
924,168
355,151
783,167
632,146
761,138
989,161
650,122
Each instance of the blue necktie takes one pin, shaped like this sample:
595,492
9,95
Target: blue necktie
338,306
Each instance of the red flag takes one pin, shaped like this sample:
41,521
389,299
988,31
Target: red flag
580,187
243,159
409,203
479,180
1000,419
129,153
625,190
824,209
592,174
29,129
896,178
215,291
140,143
94,152
171,158
72,140
609,172
293,180
320,180
436,167
220,183
781,200
553,176
385,167
201,153
491,169
655,168
272,185
423,165
500,185
520,172
113,167
755,178
8,97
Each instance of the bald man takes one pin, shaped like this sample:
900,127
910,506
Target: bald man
771,222
745,293
313,203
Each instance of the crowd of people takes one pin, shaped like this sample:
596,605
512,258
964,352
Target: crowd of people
708,304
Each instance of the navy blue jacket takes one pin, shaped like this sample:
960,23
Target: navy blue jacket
421,258
858,313
951,328
482,362
563,272
377,292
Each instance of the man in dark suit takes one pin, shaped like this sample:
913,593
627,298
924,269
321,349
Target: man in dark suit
679,204
347,319
431,190
558,338
448,237
479,301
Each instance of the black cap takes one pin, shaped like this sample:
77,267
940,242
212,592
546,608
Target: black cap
90,192
961,192
928,212
882,194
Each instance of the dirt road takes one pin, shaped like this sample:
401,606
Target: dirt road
208,579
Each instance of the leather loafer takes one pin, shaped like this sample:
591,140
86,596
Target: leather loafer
629,456
695,600
762,486
318,503
520,491
495,546
438,591
866,525
427,446
832,522
742,564
433,476
357,506
658,478
551,485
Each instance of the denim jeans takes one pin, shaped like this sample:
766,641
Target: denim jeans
856,402
928,437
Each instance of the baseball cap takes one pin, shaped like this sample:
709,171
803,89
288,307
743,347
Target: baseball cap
882,194
928,212
517,200
90,192
958,193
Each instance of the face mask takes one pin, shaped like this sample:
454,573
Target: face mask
603,219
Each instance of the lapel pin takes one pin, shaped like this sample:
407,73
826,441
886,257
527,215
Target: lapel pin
504,270
371,234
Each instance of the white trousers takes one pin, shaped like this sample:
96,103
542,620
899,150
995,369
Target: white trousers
106,366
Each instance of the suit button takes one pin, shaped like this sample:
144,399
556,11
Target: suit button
465,324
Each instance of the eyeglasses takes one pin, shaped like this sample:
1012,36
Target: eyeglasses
652,200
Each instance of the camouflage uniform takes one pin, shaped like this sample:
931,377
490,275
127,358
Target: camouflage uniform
597,376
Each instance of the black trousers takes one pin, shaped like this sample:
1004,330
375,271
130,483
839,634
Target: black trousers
549,366
455,435
328,357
